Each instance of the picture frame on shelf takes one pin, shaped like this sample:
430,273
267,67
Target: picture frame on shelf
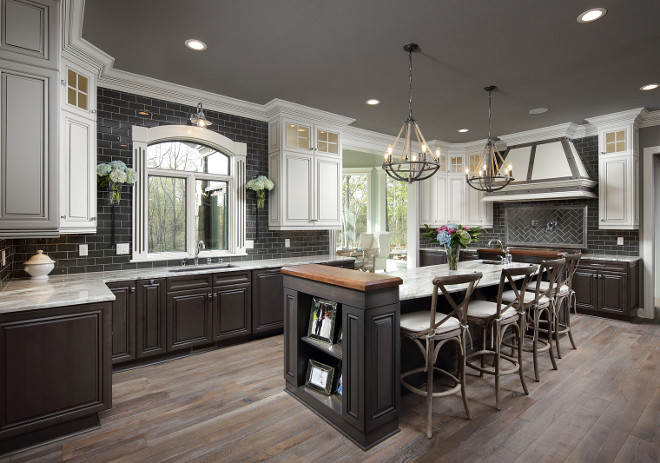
322,319
320,377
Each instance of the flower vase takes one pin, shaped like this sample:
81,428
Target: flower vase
115,193
452,256
261,197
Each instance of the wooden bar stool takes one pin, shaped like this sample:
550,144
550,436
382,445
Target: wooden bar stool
430,330
535,305
563,300
496,318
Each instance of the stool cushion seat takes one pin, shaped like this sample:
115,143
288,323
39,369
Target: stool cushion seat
508,296
417,322
479,308
563,291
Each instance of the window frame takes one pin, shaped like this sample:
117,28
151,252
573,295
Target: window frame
237,154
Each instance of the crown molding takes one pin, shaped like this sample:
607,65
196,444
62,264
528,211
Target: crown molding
652,119
609,121
568,130
277,108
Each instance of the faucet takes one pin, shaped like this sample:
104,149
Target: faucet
200,246
496,241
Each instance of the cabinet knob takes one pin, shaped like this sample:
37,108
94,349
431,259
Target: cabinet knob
131,290
151,282
63,217
602,220
210,295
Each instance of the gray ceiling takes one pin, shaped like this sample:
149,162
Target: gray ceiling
333,55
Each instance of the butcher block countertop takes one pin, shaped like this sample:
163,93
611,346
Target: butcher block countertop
345,278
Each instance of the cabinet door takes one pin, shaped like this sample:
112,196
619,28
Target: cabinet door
328,192
150,322
189,315
299,189
232,311
427,201
614,191
455,199
327,142
267,301
123,321
298,137
474,208
612,294
55,367
28,157
585,284
78,175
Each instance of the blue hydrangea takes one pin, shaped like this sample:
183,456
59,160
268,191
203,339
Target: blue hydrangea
103,169
118,165
444,238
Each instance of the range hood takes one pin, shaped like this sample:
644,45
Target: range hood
545,170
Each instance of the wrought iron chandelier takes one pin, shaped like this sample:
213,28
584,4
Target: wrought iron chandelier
411,166
199,119
487,175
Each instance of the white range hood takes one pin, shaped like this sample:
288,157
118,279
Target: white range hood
545,170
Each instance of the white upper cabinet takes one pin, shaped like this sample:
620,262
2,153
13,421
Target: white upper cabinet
77,149
305,163
618,170
29,119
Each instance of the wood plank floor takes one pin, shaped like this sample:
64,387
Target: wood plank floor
228,405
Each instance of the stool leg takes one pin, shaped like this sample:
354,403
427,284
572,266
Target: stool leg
535,339
461,376
498,347
429,389
483,348
570,331
519,340
558,309
550,334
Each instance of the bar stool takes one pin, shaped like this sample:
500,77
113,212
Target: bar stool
563,300
535,305
430,330
494,317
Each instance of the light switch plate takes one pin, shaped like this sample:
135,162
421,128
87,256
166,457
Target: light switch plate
619,240
249,244
83,250
287,243
122,248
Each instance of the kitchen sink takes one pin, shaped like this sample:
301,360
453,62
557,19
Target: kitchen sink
194,268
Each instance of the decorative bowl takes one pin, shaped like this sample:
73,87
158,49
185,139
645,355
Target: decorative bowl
39,266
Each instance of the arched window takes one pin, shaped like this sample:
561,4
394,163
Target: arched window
191,189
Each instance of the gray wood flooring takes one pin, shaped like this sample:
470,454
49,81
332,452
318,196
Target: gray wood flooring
228,405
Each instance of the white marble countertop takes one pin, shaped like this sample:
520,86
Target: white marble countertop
84,288
418,282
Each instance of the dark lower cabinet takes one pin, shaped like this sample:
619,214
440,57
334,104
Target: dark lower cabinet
607,288
367,358
232,311
432,257
188,318
150,318
123,321
267,309
56,372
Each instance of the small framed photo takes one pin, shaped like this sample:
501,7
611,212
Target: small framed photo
320,376
340,384
322,319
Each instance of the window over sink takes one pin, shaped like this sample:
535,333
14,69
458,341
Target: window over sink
191,189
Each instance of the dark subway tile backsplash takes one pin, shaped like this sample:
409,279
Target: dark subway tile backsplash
117,113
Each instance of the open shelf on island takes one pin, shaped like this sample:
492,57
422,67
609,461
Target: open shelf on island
333,349
332,401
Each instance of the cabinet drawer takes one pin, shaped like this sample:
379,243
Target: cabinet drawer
595,265
188,282
230,278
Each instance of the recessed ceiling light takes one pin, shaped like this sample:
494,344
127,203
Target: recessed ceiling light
195,44
648,87
373,101
592,15
538,110
463,130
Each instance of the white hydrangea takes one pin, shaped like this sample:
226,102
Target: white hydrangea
103,169
117,176
260,183
131,176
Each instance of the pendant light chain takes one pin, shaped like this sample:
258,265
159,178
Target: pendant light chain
410,85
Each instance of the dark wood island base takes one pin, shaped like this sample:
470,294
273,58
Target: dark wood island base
368,354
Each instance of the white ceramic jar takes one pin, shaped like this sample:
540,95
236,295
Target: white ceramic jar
39,266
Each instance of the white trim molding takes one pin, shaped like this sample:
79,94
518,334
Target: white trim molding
237,153
647,235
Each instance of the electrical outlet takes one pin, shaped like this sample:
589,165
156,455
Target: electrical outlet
83,250
122,248
249,244
287,243
619,240
4,258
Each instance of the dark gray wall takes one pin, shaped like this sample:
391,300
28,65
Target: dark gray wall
117,113
598,241
648,136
